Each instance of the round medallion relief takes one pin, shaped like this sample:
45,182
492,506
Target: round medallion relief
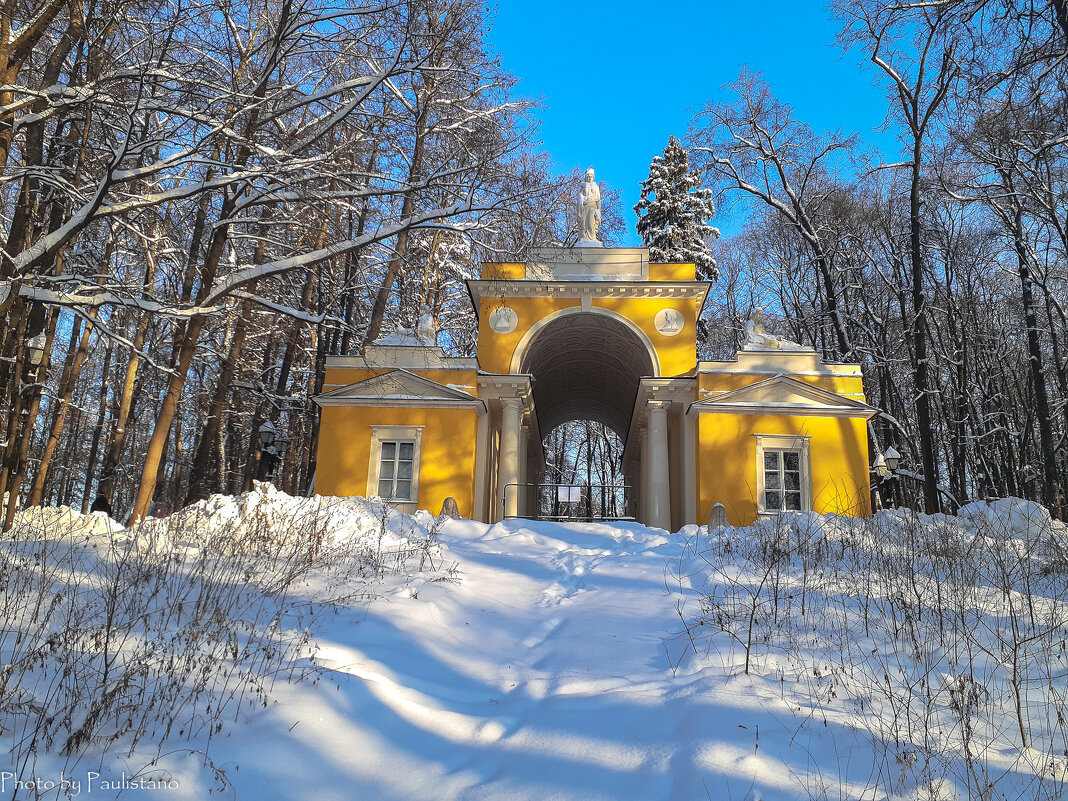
669,322
503,320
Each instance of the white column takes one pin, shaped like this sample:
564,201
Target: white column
643,478
524,475
659,474
508,472
632,487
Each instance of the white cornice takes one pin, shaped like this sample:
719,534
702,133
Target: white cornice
784,410
684,290
679,389
500,386
658,388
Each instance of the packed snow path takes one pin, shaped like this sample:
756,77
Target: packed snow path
545,673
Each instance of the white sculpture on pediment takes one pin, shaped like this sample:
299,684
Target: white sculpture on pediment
588,212
425,332
426,329
758,337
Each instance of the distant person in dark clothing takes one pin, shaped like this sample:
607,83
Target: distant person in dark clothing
101,504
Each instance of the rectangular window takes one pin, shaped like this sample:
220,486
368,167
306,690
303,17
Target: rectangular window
393,467
782,480
395,470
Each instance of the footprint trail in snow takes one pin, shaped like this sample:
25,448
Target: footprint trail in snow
549,671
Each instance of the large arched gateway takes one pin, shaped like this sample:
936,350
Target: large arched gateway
592,333
586,364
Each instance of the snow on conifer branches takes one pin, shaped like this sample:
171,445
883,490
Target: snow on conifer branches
674,210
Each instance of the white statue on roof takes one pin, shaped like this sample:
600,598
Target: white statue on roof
757,336
588,212
426,329
425,332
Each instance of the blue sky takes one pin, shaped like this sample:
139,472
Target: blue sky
618,79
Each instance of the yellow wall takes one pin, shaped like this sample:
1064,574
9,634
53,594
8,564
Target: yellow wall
677,354
495,350
447,455
849,385
727,468
674,271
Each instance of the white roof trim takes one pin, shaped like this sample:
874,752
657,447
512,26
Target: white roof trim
400,388
782,410
776,395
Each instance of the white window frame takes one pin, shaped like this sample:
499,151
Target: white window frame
380,434
779,442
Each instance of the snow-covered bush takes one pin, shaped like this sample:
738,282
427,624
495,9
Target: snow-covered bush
167,631
942,639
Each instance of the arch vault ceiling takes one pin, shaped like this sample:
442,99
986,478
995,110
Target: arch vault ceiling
586,367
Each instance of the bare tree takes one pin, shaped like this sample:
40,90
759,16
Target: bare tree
755,146
913,48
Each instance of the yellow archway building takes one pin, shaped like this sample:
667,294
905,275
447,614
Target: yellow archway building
600,334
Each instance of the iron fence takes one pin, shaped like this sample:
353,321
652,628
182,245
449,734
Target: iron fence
585,502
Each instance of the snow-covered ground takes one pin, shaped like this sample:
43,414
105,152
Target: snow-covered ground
548,661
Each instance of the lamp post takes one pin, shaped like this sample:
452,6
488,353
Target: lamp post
885,467
892,457
27,400
880,467
267,434
281,444
273,444
35,351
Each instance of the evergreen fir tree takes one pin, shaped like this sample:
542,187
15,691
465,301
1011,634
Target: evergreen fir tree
674,210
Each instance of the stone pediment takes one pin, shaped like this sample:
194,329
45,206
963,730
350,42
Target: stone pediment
400,388
410,357
782,395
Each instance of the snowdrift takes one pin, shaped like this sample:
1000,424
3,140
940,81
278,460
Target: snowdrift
164,635
272,647
936,643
